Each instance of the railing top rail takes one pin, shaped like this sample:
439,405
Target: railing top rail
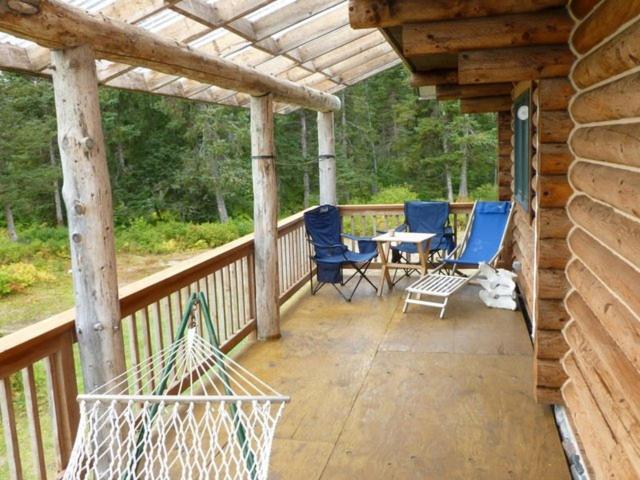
28,341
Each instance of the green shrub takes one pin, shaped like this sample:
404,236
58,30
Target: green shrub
487,191
15,277
397,194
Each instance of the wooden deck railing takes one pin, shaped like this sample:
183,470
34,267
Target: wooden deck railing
38,364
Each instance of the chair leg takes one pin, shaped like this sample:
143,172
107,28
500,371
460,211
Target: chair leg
406,303
444,306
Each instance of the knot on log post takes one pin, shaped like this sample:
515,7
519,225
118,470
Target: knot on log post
87,143
21,7
76,237
79,208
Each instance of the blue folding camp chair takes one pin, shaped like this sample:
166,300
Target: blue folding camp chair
482,243
425,217
324,233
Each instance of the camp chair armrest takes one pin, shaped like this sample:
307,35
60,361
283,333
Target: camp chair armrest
355,238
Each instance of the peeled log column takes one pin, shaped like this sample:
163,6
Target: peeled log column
609,143
265,217
434,77
514,64
541,28
87,195
608,102
605,19
618,55
553,94
327,159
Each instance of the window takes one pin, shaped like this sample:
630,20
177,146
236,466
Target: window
522,149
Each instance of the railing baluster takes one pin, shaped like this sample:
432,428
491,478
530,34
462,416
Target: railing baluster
9,428
33,417
146,343
63,390
134,350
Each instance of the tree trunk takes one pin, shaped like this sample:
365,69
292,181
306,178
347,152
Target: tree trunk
303,146
447,172
221,204
11,226
463,190
120,155
56,185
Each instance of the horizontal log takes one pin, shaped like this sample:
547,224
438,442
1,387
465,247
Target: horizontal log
433,77
609,143
615,186
550,345
551,315
553,94
389,13
580,8
553,223
504,178
504,163
603,21
608,102
618,55
611,400
504,193
620,323
548,27
486,105
617,275
548,396
552,284
552,190
454,92
553,126
552,159
605,451
514,64
549,373
618,232
553,253
59,25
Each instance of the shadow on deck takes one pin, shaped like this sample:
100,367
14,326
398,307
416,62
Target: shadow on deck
378,394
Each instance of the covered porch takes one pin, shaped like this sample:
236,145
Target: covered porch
379,394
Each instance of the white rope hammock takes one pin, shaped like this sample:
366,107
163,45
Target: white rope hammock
187,412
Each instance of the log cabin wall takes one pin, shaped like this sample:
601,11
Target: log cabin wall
603,331
523,232
504,156
551,158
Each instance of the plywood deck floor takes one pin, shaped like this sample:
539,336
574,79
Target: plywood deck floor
378,394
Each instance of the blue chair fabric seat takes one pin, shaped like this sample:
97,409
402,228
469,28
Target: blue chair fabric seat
324,233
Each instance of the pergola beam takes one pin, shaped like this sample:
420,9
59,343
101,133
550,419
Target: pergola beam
540,28
390,13
58,25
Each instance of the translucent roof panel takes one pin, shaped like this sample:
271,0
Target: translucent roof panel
309,42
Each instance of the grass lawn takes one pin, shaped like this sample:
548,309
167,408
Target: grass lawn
44,299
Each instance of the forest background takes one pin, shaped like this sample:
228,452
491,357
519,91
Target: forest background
181,173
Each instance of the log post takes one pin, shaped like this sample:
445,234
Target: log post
87,195
327,158
265,217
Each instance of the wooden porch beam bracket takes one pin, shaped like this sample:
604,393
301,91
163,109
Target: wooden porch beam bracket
57,25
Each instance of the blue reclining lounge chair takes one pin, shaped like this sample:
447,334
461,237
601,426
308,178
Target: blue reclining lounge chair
482,243
324,233
425,217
